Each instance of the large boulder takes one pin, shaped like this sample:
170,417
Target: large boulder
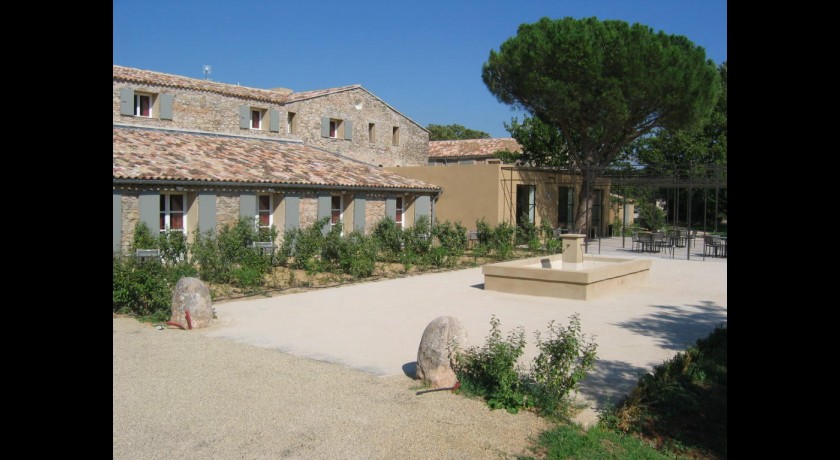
192,295
435,354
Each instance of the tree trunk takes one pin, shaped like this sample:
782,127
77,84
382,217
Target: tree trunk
583,212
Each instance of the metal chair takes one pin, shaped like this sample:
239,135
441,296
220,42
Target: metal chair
661,241
712,242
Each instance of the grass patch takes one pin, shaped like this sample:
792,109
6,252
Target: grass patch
571,442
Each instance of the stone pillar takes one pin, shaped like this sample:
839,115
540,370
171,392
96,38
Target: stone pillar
572,251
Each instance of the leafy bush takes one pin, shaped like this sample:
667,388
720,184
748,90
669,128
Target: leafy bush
551,244
492,372
357,255
389,239
484,233
528,234
304,246
418,239
565,357
453,242
229,256
502,240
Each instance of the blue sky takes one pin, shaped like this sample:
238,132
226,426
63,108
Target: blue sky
422,57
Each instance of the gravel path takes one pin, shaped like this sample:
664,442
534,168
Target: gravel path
180,394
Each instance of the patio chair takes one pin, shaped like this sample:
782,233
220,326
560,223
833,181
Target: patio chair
661,241
712,242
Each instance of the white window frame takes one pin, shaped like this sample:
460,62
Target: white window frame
340,211
270,213
167,212
399,210
259,122
137,98
335,127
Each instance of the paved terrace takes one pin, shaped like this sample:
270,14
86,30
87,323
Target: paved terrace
376,327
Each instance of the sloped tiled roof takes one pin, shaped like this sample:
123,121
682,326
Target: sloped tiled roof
294,97
472,148
164,79
154,154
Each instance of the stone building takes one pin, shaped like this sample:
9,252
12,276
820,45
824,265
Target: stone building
191,153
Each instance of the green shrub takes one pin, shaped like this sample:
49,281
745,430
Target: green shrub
651,216
143,238
357,255
304,246
228,255
418,239
491,371
389,239
565,357
502,240
452,240
528,234
484,233
551,245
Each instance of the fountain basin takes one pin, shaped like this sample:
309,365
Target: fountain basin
545,276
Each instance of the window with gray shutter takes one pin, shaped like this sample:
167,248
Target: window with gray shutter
422,207
324,208
292,201
148,203
359,213
274,120
165,106
348,129
206,211
126,101
245,116
248,205
325,126
391,207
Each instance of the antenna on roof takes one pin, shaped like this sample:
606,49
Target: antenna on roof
207,70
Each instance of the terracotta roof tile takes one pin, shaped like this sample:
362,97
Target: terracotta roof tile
175,81
472,148
176,155
294,97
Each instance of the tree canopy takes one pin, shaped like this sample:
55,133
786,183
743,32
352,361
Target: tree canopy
454,132
601,85
683,147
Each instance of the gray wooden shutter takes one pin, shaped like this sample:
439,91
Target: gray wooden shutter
292,201
117,221
244,116
248,205
422,207
324,208
359,213
391,207
206,211
325,126
165,106
274,120
348,129
148,203
126,101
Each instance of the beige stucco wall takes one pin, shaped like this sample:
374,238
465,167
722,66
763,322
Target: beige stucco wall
488,191
413,148
470,192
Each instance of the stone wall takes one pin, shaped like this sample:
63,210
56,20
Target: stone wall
361,108
130,215
374,211
199,110
227,209
208,111
308,209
